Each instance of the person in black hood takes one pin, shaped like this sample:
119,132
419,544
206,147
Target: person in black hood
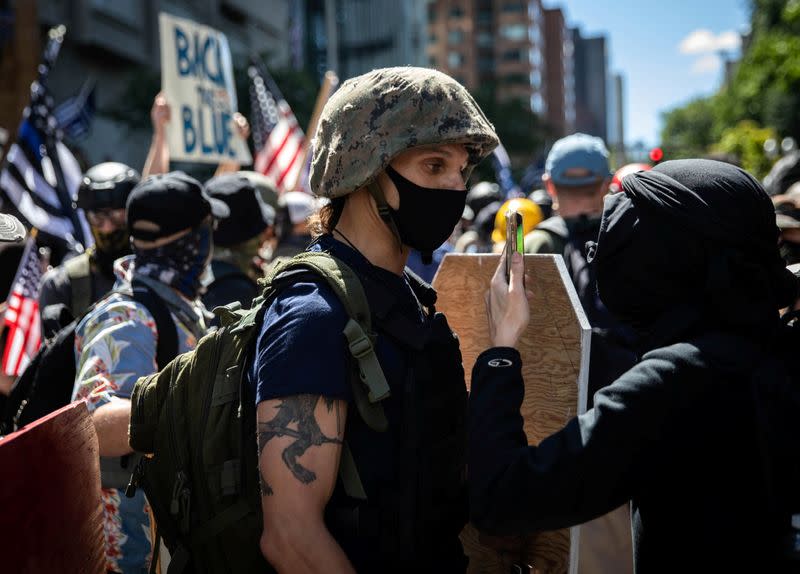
687,255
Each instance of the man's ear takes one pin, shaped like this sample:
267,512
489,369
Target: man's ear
605,185
549,186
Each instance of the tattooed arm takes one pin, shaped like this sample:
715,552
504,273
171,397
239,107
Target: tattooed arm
299,444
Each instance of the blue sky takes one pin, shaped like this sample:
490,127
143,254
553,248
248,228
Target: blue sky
646,40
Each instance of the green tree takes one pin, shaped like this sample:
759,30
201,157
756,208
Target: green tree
687,130
746,141
766,85
763,93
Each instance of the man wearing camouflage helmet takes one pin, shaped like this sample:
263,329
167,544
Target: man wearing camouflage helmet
393,151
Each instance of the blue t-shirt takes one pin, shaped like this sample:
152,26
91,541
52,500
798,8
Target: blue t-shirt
301,348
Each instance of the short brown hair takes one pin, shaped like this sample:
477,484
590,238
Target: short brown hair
326,218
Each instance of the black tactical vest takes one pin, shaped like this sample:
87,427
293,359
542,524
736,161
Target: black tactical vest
414,473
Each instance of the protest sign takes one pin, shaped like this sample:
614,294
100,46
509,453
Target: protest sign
197,80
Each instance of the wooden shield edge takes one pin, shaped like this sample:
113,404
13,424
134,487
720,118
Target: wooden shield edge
583,384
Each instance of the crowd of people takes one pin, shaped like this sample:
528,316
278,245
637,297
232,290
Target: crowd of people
370,454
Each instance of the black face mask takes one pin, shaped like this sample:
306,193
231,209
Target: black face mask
427,216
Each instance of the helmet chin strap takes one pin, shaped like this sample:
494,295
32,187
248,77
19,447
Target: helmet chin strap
384,210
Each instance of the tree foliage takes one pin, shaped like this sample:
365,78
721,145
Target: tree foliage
746,141
687,130
521,131
764,90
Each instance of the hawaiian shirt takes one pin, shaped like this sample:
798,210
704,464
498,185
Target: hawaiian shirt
115,344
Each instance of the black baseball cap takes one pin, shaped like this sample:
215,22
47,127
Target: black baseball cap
250,214
162,205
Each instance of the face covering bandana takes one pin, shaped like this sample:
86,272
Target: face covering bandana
180,264
427,216
246,256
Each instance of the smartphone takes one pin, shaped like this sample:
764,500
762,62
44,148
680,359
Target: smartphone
515,240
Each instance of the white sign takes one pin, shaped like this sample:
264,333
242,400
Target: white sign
197,80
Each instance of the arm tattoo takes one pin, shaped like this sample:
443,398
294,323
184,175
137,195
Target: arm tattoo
299,410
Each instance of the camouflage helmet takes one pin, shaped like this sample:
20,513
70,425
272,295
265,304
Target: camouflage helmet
374,117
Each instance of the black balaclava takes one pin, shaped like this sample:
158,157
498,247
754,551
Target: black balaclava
689,242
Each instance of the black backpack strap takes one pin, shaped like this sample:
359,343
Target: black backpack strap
79,271
167,346
369,386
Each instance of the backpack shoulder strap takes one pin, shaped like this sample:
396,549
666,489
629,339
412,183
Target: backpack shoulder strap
555,226
167,346
371,387
79,271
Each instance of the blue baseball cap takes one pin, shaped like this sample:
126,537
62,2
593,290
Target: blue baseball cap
576,160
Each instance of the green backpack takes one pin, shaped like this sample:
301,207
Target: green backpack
195,421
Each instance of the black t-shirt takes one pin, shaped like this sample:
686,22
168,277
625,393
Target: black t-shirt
301,348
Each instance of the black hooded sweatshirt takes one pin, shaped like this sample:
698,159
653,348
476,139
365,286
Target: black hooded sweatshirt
675,435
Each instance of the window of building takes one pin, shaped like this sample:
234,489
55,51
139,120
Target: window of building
125,11
454,60
431,12
485,39
432,39
537,103
536,58
432,62
514,7
455,37
456,12
514,32
484,17
486,64
513,56
536,78
516,79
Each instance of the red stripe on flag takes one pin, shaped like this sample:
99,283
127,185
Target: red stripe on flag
277,152
289,167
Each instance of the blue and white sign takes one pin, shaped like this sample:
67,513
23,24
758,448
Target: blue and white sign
197,80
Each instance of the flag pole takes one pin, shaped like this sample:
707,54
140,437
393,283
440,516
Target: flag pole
56,39
329,84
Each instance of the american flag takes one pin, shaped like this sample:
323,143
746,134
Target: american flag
75,115
21,318
277,136
40,176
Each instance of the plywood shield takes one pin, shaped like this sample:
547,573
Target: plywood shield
555,355
51,518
